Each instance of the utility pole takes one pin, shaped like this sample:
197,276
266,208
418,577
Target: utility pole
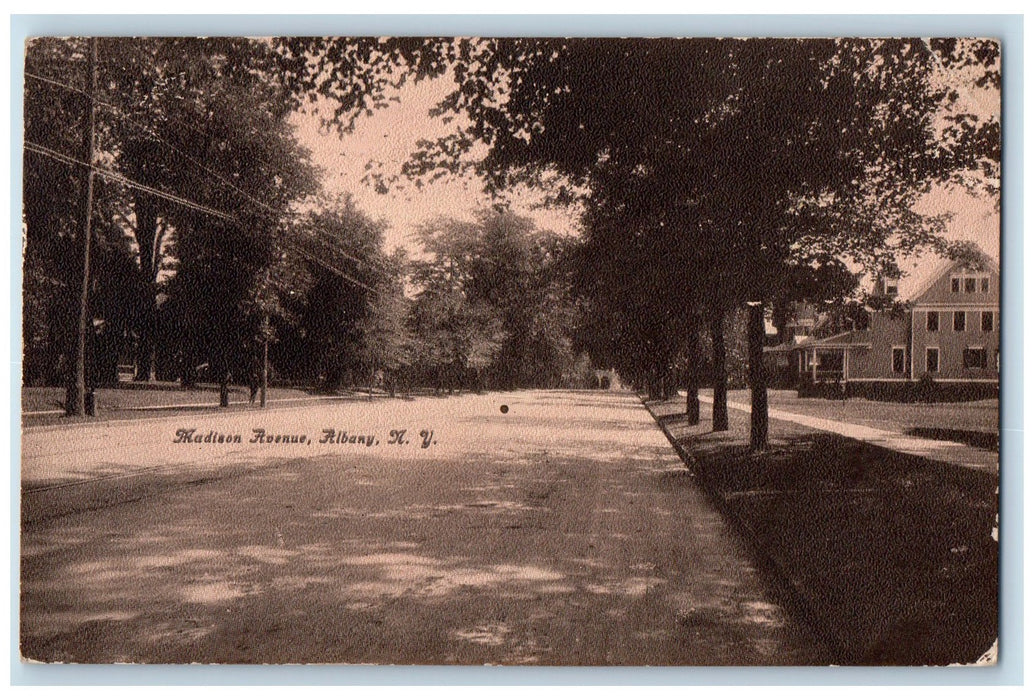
77,387
264,374
720,402
265,362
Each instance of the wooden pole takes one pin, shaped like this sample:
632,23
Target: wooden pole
77,387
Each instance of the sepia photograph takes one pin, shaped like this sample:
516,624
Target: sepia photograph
512,351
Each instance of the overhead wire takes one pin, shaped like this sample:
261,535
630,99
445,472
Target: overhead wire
120,113
182,201
128,182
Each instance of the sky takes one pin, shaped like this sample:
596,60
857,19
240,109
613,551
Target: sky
389,137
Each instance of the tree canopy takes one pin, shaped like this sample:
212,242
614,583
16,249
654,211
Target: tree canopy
493,302
192,143
714,171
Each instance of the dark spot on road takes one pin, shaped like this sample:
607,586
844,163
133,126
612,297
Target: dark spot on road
504,408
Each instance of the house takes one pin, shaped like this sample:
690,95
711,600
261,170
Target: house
948,334
803,322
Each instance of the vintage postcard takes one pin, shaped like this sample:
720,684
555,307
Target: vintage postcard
510,351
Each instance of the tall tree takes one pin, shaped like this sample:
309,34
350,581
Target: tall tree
184,125
205,120
493,301
386,344
761,152
342,281
54,186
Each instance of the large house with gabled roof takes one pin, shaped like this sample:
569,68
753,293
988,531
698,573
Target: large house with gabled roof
949,333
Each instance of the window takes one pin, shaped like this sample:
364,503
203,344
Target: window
987,321
956,285
933,321
892,288
985,285
970,285
933,360
898,360
974,358
959,321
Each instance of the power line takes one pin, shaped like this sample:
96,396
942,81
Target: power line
197,130
315,259
120,113
151,132
111,175
56,155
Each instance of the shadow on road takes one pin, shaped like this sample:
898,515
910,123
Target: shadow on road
547,542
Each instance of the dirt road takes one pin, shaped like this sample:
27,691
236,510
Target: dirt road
563,532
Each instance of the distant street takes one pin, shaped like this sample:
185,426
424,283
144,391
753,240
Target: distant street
562,530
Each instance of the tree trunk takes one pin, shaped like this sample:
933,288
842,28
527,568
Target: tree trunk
758,389
221,364
693,358
146,233
670,386
720,406
655,385
224,390
264,378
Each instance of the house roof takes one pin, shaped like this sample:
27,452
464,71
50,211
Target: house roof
841,340
920,274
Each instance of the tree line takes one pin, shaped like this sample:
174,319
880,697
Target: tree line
212,238
714,174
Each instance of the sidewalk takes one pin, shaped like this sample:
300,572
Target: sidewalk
182,406
939,450
45,420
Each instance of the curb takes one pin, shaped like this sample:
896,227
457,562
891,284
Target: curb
145,413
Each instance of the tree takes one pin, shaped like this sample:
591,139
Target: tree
206,121
184,126
760,153
493,304
329,313
51,216
458,331
387,344
53,198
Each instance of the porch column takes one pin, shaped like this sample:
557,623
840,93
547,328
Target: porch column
814,364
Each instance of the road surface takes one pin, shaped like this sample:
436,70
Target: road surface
563,531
